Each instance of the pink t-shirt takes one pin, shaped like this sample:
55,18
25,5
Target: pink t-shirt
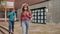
26,15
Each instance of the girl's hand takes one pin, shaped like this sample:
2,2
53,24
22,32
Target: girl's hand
27,14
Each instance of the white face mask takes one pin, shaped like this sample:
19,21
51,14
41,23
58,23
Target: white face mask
25,8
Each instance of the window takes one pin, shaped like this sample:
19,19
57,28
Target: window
39,15
2,14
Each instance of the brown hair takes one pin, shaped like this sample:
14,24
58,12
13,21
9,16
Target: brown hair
23,6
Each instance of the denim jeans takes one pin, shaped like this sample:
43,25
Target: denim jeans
11,26
25,27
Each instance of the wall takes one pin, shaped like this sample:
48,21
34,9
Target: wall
53,14
19,3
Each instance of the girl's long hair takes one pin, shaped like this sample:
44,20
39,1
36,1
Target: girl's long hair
23,6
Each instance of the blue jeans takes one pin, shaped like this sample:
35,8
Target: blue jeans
25,26
11,26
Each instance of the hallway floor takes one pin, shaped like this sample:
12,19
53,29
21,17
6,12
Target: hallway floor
36,28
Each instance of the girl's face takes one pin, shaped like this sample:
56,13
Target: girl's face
25,8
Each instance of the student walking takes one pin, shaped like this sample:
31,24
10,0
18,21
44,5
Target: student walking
11,16
26,16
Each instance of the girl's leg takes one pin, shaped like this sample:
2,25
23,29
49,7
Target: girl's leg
27,26
23,27
10,26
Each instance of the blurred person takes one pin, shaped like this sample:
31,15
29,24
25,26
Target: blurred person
11,16
26,17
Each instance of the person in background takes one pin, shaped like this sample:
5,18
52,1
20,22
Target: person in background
26,17
11,16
